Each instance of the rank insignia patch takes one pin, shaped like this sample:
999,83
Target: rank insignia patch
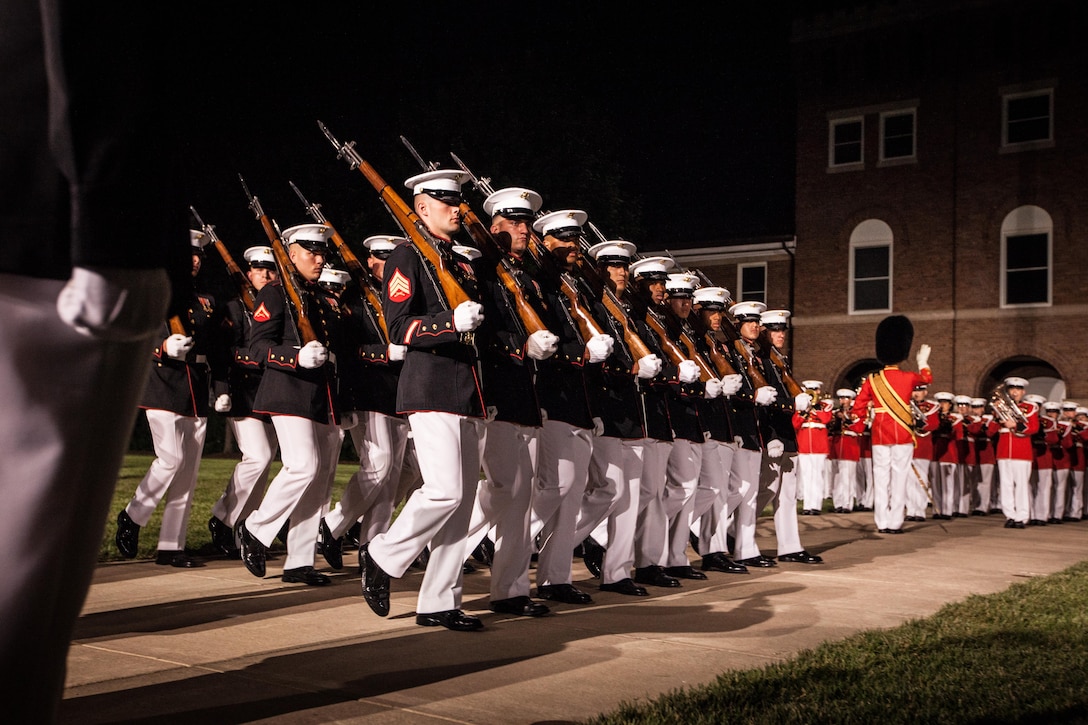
399,288
261,314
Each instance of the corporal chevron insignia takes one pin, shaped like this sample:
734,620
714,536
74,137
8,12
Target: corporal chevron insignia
400,288
261,314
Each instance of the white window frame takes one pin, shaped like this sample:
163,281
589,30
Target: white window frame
1021,221
831,125
868,234
1048,142
896,160
740,279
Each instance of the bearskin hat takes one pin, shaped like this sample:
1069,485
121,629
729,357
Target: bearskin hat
894,336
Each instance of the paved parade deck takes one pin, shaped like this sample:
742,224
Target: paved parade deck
216,645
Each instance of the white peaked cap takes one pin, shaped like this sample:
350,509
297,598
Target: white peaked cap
1015,382
711,297
198,238
652,266
681,284
513,202
616,250
307,233
383,242
944,396
331,275
845,393
444,181
751,310
260,257
775,317
467,252
568,221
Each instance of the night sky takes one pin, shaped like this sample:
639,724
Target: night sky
670,127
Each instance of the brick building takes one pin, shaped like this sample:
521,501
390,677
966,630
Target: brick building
942,173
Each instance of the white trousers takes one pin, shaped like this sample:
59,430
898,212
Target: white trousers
844,475
614,471
257,442
371,492
891,467
562,473
984,484
810,469
745,484
652,527
437,513
1015,479
682,472
309,451
865,481
1041,481
179,444
1059,484
916,499
1076,495
503,501
713,519
68,412
778,486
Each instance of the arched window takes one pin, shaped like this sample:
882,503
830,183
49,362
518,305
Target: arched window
871,267
1026,234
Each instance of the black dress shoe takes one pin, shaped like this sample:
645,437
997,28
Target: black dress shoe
565,593
655,576
178,559
1070,518
1053,520
684,572
758,561
694,540
1018,525
800,557
995,510
453,619
721,562
806,512
351,538
375,584
625,586
254,552
519,606
128,535
1036,522
958,515
979,512
593,556
331,548
305,575
422,559
222,537
484,552
1010,524
895,531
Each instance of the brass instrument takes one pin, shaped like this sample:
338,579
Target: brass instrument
919,416
1006,408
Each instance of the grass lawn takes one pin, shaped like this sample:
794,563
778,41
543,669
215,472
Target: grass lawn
1016,656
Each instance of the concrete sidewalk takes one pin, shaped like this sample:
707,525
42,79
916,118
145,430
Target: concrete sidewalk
216,645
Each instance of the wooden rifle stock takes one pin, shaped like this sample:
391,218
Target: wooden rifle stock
530,320
245,287
638,347
717,356
288,272
792,386
672,350
408,220
568,286
177,327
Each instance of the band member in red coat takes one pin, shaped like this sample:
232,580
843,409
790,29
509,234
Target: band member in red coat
1015,454
981,432
892,428
844,453
925,422
1075,414
1060,442
947,457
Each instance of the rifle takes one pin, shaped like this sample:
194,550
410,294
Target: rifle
289,280
408,220
361,274
730,332
245,287
487,243
579,315
638,347
792,386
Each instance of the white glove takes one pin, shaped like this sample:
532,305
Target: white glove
349,420
649,366
922,358
766,395
114,304
775,448
731,384
222,403
467,316
541,345
177,346
598,426
312,355
712,388
802,402
396,353
492,413
688,371
599,347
